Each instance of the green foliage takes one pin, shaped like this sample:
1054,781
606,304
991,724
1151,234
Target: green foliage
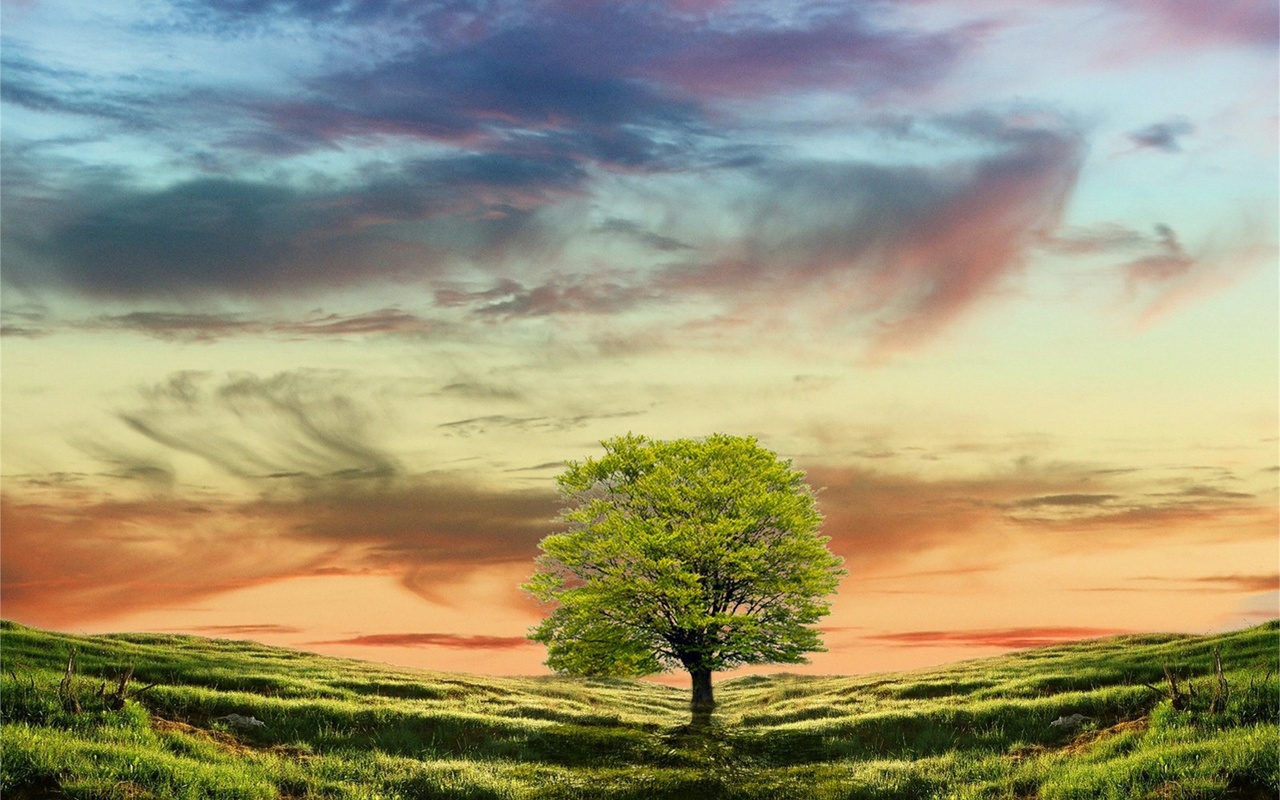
348,730
694,554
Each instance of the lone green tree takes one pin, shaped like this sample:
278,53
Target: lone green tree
689,554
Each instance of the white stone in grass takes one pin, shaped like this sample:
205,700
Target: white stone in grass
1068,722
237,721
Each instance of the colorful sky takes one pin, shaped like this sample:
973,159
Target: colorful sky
306,303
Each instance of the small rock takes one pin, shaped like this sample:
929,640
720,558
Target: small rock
237,721
1068,721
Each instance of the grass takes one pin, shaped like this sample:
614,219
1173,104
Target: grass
338,728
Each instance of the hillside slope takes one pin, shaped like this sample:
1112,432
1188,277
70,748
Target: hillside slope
338,728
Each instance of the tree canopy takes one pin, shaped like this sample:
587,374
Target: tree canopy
696,554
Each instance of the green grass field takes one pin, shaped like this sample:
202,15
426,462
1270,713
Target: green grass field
346,729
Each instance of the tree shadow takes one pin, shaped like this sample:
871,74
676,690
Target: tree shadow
701,719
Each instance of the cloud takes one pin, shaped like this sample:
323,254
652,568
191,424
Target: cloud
481,390
1005,638
1159,272
1229,22
428,526
1170,261
237,237
209,327
1135,509
290,425
897,252
827,48
1227,583
244,630
70,553
502,115
316,10
1065,500
634,231
76,555
452,640
1163,135
509,299
1170,275
480,425
30,321
194,236
308,445
215,326
75,559
30,85
609,81
1104,238
876,519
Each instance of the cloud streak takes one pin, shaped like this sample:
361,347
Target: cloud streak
876,519
288,425
1163,135
1002,638
70,553
451,640
76,558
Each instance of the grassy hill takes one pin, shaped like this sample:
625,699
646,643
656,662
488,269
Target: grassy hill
338,728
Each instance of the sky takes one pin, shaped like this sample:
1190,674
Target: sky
307,302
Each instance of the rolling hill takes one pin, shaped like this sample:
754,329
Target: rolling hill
1156,720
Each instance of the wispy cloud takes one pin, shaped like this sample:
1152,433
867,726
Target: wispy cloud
1156,270
633,230
1168,262
877,518
1004,638
287,425
1164,136
209,327
453,640
510,299
1224,583
244,630
479,425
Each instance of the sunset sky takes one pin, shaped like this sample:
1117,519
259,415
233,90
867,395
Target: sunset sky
307,302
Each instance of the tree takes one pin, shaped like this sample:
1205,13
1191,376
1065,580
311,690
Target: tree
694,554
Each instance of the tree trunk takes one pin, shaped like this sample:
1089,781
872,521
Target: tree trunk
703,701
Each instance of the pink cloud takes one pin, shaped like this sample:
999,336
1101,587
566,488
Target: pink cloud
1194,22
751,63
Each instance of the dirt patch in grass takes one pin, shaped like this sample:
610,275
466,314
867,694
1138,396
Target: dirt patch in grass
1088,739
1027,751
227,741
43,788
1082,742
